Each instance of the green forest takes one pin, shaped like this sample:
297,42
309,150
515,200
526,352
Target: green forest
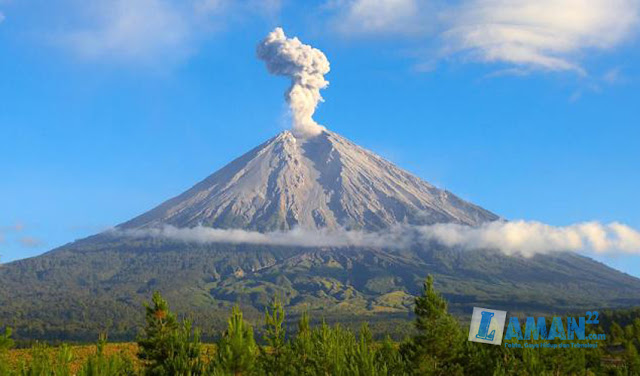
437,345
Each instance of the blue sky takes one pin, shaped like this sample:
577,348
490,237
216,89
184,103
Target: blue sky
109,108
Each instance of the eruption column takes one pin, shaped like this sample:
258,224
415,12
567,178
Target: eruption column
306,66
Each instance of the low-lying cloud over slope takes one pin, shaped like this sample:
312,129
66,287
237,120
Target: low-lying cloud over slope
525,238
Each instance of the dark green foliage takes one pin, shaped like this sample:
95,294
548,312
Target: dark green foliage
169,347
390,359
437,347
276,359
237,349
632,359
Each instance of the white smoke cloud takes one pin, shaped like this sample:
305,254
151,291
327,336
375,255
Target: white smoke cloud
306,66
526,238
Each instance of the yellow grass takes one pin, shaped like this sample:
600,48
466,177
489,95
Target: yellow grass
16,357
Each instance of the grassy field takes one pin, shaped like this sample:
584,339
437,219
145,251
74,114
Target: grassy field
80,353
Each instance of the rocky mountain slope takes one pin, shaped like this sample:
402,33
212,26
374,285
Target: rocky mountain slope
320,182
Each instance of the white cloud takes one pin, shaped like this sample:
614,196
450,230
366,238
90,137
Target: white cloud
525,238
130,30
546,34
550,35
380,16
149,30
296,237
530,238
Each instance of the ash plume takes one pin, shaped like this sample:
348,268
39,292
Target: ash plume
306,66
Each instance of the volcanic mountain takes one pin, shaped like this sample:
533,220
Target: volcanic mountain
321,182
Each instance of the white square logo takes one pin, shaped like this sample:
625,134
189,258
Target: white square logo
487,326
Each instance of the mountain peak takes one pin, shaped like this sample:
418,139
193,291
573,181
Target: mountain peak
325,181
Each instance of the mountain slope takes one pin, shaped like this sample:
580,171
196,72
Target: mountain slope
99,283
321,182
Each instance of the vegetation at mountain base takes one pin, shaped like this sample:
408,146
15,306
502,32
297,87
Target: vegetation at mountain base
169,345
99,285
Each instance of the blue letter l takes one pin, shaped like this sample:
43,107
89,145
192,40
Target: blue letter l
483,330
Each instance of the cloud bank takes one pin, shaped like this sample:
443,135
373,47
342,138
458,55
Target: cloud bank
552,35
297,237
306,67
526,238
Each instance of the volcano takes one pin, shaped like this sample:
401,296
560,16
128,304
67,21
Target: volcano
320,182
315,183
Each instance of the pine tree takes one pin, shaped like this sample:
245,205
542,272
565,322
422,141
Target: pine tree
275,358
617,333
436,349
302,347
632,359
389,359
168,347
363,359
237,348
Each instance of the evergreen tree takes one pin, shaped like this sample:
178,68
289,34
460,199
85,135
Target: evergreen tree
168,347
275,357
363,357
617,333
302,347
389,359
437,347
237,348
632,359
